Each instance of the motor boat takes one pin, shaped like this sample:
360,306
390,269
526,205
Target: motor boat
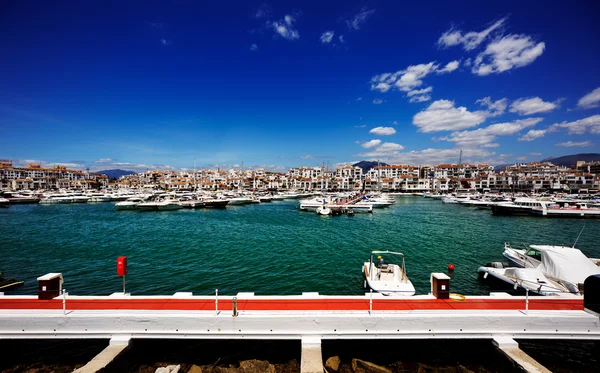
130,203
4,202
387,278
323,210
560,269
521,206
191,203
532,279
531,257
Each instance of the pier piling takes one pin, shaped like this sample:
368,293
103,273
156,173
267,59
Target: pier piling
511,349
312,358
100,361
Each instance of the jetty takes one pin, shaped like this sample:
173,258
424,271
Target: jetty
309,318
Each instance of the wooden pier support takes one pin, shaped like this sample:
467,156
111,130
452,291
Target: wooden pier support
511,349
100,361
312,358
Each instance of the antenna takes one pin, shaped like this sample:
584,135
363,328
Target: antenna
579,236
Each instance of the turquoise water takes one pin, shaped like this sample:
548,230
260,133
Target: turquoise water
270,248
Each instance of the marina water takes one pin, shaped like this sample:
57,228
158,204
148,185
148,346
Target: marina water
270,248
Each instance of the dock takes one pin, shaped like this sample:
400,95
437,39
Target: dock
309,318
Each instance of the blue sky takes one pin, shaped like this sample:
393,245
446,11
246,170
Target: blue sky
159,84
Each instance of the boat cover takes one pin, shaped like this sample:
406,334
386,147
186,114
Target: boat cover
567,264
531,275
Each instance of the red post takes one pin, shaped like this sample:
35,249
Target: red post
122,269
122,266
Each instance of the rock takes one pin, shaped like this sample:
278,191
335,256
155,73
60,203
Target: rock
361,366
291,366
162,370
256,366
173,368
333,364
226,370
195,369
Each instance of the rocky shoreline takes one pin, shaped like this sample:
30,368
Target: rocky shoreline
333,365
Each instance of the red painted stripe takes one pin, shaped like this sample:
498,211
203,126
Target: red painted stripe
537,303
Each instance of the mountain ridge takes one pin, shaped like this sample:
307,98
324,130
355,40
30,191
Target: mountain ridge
115,173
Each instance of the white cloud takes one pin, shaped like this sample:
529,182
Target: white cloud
359,20
410,79
395,123
285,28
253,47
404,80
371,144
326,37
166,42
341,38
263,11
421,98
307,156
507,53
419,91
533,134
581,126
358,99
534,105
486,136
383,131
522,158
469,40
581,144
429,156
450,67
441,115
103,160
591,100
378,101
360,126
387,149
495,108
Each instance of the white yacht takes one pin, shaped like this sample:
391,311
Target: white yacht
129,204
521,206
53,199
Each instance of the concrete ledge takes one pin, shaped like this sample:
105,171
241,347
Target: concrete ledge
100,361
511,349
312,358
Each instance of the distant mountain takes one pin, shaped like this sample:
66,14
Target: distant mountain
570,160
567,160
367,165
500,167
115,174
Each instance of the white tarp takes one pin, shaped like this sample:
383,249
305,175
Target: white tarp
567,264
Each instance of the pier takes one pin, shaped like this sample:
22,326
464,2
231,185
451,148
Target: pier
309,318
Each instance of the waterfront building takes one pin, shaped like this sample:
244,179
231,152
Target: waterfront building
35,177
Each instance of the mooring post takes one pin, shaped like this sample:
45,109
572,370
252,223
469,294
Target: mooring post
234,307
526,301
64,294
217,301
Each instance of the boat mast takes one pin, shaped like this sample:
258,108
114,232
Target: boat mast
458,168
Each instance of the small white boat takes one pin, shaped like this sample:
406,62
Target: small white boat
323,210
387,278
4,202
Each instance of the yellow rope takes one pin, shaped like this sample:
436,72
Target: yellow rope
458,297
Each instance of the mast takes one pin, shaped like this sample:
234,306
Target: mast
458,168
